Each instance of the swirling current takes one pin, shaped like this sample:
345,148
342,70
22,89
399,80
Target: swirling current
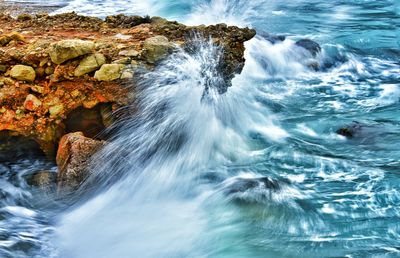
256,172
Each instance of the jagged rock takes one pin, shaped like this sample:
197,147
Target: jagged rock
68,49
61,92
313,47
23,73
73,159
32,103
89,64
109,72
156,48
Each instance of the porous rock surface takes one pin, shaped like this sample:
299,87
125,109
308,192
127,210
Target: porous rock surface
53,65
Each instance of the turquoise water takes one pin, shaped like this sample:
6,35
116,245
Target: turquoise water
179,172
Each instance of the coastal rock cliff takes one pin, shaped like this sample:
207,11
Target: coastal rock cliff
53,66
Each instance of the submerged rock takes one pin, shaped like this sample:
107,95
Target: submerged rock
273,39
44,180
73,159
252,190
351,130
313,47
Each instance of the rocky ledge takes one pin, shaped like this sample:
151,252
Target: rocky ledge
65,73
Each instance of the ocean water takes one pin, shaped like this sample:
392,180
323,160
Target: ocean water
256,172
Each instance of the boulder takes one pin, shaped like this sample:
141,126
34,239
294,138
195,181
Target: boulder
109,72
73,159
89,64
23,73
156,48
68,49
313,47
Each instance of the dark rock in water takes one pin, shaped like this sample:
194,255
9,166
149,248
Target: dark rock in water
73,159
313,47
351,130
272,38
44,180
253,190
245,184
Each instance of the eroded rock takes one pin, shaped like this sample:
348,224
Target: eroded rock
68,49
60,49
73,159
89,64
109,72
156,48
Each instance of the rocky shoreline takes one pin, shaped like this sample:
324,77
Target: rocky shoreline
64,74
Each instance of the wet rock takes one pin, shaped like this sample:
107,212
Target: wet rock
32,103
73,160
350,131
156,48
109,72
245,184
44,180
89,64
68,49
252,190
23,73
273,39
61,92
313,47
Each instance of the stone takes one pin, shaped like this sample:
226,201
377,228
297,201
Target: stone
89,64
126,75
73,160
3,68
109,72
32,103
156,48
56,110
313,47
23,73
68,49
13,36
129,53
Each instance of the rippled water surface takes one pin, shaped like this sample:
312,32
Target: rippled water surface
181,168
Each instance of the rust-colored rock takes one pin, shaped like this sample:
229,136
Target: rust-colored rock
73,158
65,51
